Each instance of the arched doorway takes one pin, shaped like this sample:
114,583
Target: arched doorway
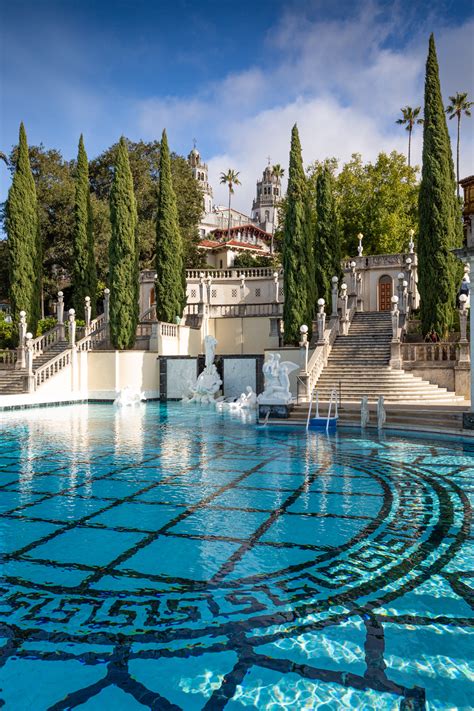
385,293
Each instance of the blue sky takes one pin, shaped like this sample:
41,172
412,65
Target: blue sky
235,75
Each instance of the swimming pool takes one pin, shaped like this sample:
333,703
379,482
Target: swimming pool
167,557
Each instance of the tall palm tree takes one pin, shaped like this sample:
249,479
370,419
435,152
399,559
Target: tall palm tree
459,105
278,171
231,178
410,118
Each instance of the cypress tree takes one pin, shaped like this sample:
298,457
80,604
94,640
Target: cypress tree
439,219
84,267
327,251
123,254
296,247
170,274
25,268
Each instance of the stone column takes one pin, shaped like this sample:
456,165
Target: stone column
72,328
107,313
462,367
22,328
334,296
360,300
87,314
29,362
401,277
304,347
277,286
344,310
409,262
60,315
395,348
353,281
360,249
321,318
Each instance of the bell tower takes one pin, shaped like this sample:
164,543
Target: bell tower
200,173
265,205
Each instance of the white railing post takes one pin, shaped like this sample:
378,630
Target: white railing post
107,305
29,362
401,277
360,249
321,319
334,295
72,328
60,315
277,286
360,300
87,314
408,262
395,346
22,328
344,312
464,355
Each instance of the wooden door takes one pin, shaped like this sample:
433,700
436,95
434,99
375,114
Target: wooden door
385,293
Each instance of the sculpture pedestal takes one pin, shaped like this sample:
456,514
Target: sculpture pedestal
280,411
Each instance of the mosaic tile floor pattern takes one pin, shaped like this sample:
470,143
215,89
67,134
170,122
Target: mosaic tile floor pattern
169,558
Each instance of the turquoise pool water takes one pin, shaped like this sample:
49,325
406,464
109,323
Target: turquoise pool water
167,557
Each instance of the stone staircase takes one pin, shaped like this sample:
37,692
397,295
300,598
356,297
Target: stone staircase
14,382
358,365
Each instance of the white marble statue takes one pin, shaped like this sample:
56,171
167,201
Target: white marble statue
364,411
245,401
277,381
129,396
208,383
381,416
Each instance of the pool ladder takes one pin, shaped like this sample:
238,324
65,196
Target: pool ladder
332,400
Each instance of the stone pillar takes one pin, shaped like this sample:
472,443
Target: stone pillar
344,310
360,249
411,244
107,306
72,328
22,328
304,345
360,300
277,286
29,362
464,356
405,296
395,349
321,318
87,314
353,279
60,315
334,296
401,277
409,263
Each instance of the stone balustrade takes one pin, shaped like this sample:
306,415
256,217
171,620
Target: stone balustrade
8,359
429,352
53,366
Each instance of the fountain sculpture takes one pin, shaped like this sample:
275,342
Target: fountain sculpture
208,383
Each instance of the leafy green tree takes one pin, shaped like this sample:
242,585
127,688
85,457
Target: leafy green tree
410,119
123,254
84,274
144,164
459,105
23,239
295,246
170,285
439,218
378,199
327,251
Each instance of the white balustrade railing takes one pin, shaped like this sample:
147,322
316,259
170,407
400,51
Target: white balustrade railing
46,341
237,310
169,329
320,355
429,352
53,366
8,359
233,273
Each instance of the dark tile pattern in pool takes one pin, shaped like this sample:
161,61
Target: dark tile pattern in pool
168,558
